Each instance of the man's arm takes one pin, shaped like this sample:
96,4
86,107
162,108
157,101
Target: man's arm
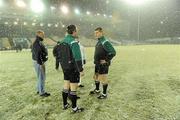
55,51
110,49
77,55
38,54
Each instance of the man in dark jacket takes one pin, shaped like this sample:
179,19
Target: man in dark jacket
40,56
56,55
104,52
72,74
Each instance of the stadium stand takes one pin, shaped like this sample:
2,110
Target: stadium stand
5,44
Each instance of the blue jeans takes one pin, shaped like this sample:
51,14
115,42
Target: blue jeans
41,76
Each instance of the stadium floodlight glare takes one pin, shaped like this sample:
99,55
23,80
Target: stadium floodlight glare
52,8
77,11
56,25
88,13
6,23
107,1
64,9
33,24
37,6
1,3
20,3
49,25
15,23
63,26
25,23
136,2
41,24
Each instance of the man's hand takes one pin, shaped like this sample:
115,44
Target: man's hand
81,73
42,67
95,76
102,61
57,69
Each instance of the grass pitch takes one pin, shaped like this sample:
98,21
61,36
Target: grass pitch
144,85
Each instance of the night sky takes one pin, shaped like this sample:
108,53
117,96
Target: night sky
157,18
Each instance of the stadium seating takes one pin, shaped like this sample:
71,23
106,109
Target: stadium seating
5,44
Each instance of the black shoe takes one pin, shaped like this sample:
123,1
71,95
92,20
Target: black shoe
78,110
81,86
66,106
102,96
45,94
94,92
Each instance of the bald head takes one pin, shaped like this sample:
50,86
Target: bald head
40,34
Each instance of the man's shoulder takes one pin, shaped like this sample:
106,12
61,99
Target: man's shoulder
41,43
67,40
35,44
104,40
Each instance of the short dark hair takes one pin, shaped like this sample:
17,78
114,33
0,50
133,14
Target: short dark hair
99,29
71,29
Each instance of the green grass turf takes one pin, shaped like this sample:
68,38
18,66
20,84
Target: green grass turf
144,85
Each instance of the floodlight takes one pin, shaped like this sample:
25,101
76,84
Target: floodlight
15,23
88,13
135,2
107,1
52,8
6,23
33,24
49,25
63,26
41,24
64,9
25,23
1,3
77,11
20,3
37,6
56,25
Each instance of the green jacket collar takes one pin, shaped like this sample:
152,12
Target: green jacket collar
101,39
70,36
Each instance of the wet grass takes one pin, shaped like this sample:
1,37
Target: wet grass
144,85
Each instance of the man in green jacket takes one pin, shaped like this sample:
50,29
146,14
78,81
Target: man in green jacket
104,52
72,74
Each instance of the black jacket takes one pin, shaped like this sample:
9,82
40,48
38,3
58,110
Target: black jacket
39,51
103,51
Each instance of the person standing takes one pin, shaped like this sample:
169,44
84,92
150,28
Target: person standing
71,64
104,52
83,58
40,56
56,55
